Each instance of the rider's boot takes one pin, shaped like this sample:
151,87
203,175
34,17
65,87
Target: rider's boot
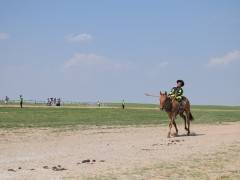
180,105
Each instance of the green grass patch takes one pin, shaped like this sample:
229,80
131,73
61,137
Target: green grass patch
13,117
59,117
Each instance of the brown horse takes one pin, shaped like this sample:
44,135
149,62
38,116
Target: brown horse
170,104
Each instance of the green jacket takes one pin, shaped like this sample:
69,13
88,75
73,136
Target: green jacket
176,91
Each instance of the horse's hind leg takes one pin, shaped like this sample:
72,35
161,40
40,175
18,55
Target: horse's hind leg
188,122
175,125
185,120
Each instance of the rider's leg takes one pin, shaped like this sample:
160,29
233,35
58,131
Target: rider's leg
179,98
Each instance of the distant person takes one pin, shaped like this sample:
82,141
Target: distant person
123,104
58,102
21,101
98,104
48,102
6,100
54,101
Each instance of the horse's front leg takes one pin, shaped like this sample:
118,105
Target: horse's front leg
170,127
175,125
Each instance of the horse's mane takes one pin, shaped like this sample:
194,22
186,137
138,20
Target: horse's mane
168,104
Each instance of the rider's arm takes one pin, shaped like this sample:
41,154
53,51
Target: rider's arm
172,92
180,92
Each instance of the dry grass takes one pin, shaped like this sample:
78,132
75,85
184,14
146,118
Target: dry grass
222,164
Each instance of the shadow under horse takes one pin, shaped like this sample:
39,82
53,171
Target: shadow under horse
171,106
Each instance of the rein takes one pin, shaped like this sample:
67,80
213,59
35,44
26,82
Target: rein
168,104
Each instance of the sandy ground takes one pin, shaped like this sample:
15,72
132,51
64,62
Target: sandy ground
60,154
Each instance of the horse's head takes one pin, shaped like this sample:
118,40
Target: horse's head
163,97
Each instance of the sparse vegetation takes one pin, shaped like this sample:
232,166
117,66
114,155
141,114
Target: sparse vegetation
13,117
221,162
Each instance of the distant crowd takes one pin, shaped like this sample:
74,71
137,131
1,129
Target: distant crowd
53,101
50,101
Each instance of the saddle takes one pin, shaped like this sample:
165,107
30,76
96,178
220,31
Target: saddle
174,98
182,101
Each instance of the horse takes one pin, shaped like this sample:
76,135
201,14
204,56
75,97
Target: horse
170,104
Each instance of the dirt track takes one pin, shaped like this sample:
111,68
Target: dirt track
47,154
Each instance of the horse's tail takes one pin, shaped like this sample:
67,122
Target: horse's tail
191,118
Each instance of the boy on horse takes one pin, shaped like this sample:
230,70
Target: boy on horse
177,92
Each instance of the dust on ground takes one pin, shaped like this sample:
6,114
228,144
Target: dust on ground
119,152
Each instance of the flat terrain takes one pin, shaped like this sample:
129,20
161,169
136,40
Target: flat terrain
210,152
135,115
109,143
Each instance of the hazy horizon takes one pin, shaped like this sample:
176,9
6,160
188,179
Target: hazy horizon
107,51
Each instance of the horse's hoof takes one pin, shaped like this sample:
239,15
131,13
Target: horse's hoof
168,136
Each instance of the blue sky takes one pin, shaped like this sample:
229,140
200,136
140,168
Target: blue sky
112,50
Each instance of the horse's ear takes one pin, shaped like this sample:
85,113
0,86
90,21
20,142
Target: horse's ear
160,93
166,92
